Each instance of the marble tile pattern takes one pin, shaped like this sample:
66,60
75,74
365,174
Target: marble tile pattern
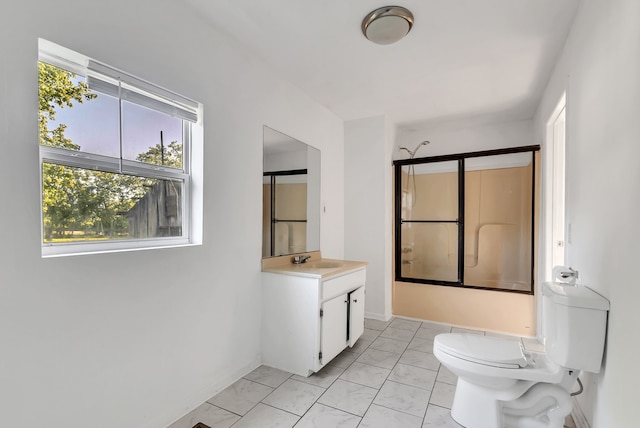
389,379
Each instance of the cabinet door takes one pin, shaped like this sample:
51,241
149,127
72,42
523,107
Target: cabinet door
356,315
333,327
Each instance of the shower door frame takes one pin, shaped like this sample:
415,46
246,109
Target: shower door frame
273,220
460,159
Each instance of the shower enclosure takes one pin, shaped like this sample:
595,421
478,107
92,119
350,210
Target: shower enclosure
467,220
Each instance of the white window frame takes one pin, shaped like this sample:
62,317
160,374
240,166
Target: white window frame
143,93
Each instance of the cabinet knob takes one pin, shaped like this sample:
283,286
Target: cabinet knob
355,300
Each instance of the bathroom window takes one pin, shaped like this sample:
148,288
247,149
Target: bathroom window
467,220
114,157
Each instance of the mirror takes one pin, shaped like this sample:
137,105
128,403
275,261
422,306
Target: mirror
290,195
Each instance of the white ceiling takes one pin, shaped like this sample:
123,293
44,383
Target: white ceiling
464,59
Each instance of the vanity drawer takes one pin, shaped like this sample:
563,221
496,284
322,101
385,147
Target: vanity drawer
343,284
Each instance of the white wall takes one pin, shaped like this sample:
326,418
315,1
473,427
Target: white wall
368,207
599,69
461,137
137,339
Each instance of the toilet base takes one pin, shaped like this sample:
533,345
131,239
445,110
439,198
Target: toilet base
525,405
472,408
542,406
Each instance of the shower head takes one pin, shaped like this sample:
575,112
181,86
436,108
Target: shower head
413,152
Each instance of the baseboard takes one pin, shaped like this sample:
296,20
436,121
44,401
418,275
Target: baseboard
376,316
230,379
221,384
578,416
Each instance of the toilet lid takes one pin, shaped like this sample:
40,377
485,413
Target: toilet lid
491,351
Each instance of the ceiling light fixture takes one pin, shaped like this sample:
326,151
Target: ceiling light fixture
387,24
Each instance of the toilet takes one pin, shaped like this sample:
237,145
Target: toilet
502,385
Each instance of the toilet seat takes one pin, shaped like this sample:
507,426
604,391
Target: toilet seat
490,351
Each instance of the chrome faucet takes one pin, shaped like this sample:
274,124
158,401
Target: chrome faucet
300,259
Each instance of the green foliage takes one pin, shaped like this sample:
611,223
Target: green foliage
80,202
56,88
91,202
170,155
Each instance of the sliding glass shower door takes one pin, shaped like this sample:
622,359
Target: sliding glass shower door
430,221
498,222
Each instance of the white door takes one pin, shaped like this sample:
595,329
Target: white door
356,315
333,336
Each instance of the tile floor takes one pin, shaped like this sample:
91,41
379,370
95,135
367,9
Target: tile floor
390,378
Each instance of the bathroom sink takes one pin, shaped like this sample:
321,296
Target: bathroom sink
322,264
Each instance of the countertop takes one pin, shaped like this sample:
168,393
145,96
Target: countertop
319,268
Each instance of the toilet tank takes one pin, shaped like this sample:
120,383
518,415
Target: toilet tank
574,325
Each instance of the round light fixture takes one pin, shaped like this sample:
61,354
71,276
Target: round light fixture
387,24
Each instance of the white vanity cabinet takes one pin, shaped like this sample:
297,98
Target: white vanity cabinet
309,317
